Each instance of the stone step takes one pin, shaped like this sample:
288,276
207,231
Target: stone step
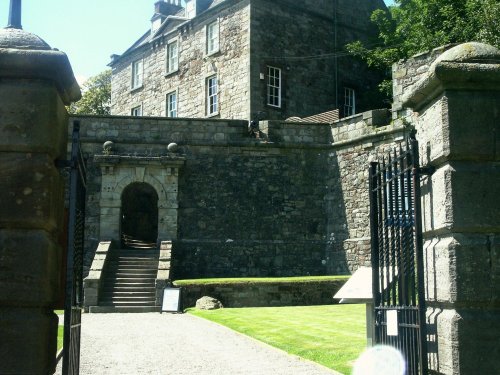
113,273
123,309
128,263
129,293
123,285
121,280
115,302
132,299
120,274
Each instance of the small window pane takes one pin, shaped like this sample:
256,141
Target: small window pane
172,105
273,86
349,102
172,57
212,99
137,73
213,37
136,111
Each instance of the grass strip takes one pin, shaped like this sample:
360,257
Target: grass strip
248,280
333,336
60,333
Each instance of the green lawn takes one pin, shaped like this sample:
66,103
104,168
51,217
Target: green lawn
333,335
60,332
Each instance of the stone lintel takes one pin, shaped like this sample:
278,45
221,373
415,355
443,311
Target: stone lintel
469,66
110,160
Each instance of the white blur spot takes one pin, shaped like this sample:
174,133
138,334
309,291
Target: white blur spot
380,360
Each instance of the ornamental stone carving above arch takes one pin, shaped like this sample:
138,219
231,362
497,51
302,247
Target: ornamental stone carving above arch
118,172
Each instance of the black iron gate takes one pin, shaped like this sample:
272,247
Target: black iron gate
74,278
397,255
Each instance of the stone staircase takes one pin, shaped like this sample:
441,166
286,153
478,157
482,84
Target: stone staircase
128,281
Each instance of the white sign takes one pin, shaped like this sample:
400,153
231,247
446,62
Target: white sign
392,322
171,300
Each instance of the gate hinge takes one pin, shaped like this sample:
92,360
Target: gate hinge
427,171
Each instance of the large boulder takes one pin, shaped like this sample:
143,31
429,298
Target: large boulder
208,303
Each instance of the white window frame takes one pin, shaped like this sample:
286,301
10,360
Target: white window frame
172,60
349,102
136,111
274,86
137,74
172,111
212,95
212,39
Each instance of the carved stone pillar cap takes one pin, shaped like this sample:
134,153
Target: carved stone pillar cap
20,39
24,55
470,66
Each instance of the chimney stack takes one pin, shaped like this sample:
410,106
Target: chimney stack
167,8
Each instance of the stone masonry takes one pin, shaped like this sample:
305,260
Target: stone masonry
36,83
457,122
293,202
253,34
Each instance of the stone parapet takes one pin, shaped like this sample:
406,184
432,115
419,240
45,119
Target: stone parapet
264,294
164,267
92,283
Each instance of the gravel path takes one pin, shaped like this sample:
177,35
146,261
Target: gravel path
180,344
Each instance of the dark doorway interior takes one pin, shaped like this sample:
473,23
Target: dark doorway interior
139,216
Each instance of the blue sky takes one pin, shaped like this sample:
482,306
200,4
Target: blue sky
88,31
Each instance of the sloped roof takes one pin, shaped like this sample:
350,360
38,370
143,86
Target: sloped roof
325,117
179,17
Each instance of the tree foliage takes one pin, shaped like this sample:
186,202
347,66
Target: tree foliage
96,97
413,26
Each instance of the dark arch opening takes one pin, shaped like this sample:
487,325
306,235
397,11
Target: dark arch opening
139,215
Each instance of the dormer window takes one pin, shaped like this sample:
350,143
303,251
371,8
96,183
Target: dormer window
156,22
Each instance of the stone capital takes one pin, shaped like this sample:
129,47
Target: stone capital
25,56
470,66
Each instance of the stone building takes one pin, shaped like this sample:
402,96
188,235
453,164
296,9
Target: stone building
247,59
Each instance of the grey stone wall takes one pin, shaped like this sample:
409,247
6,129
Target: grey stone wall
457,121
357,141
293,202
291,35
407,73
264,294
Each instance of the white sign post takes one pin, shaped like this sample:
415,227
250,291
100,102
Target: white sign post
171,300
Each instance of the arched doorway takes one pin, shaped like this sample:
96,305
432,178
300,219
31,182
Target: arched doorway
139,215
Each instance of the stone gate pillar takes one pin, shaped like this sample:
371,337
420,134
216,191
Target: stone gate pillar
35,84
458,128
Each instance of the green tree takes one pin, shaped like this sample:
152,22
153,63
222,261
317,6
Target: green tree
96,96
413,26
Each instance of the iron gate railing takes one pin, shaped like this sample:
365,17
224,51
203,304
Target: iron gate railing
74,266
397,256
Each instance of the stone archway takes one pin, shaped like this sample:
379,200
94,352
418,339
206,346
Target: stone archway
119,173
139,213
